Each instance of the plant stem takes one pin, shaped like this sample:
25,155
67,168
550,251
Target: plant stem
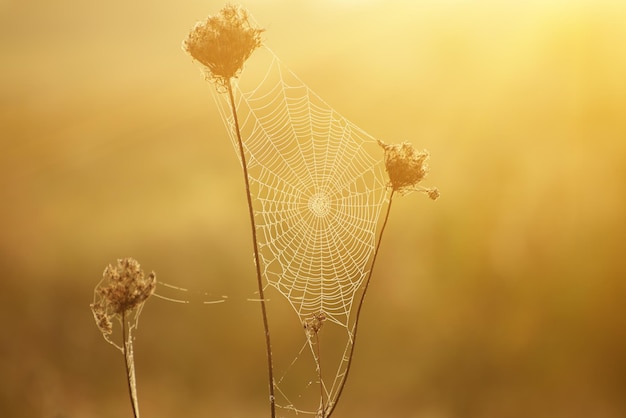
358,311
319,371
130,366
270,366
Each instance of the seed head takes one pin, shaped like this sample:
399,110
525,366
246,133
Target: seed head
314,324
223,43
433,193
123,288
407,167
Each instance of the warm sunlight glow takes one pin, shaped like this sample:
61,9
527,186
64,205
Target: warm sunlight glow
503,298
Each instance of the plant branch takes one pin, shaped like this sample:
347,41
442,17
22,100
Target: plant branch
358,311
270,366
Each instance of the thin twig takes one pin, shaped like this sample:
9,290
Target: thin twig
319,372
270,365
358,311
130,367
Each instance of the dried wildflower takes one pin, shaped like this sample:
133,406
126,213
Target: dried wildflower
314,324
121,294
407,167
433,193
223,43
123,288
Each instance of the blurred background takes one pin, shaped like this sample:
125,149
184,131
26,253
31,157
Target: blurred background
504,298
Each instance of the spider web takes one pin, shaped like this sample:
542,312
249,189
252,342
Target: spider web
318,183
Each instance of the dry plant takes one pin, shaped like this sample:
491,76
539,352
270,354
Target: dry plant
312,327
406,168
120,297
222,44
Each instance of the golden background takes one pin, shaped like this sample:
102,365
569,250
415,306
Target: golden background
505,298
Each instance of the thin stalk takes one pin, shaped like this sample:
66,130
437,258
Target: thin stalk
268,345
319,371
130,366
358,310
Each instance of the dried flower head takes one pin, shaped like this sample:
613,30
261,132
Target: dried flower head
223,43
314,324
432,192
407,167
123,288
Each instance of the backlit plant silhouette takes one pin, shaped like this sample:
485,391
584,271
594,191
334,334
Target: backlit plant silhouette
320,185
119,297
222,44
406,168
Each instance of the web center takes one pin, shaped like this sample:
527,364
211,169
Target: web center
319,204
